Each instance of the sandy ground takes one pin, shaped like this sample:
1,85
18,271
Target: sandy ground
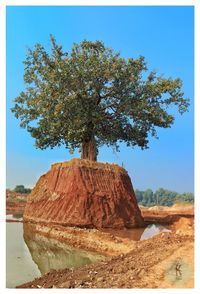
164,261
167,215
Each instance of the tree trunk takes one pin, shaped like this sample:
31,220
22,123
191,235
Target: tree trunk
89,150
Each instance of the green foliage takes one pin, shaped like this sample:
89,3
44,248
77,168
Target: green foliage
22,189
93,93
185,198
162,197
148,197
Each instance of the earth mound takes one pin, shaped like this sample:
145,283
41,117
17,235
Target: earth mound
85,194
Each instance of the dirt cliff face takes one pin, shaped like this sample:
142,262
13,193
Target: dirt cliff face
85,194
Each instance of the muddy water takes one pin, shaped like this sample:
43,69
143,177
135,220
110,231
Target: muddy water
29,255
15,217
152,230
138,233
19,264
50,254
133,234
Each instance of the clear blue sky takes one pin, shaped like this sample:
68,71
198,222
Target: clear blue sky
164,35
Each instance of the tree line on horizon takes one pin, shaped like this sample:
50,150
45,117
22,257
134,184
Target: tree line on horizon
162,197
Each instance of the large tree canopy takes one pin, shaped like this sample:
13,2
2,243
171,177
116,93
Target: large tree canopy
92,96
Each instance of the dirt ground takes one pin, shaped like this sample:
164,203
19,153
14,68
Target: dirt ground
152,264
163,261
167,215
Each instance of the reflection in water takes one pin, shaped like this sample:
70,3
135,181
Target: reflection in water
20,267
50,254
153,230
133,234
14,217
18,216
138,234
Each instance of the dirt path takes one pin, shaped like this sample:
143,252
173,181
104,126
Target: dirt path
152,264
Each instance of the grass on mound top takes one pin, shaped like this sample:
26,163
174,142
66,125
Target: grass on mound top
90,164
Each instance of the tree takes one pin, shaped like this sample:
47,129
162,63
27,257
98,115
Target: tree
162,197
22,189
139,195
148,197
92,96
185,198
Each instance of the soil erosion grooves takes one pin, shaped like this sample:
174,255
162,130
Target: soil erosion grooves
85,194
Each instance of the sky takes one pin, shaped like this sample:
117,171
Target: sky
164,35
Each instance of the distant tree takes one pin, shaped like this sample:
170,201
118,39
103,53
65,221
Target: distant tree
165,197
158,195
148,197
139,195
185,198
22,189
92,96
162,197
166,201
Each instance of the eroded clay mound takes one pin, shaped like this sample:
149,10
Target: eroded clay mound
86,194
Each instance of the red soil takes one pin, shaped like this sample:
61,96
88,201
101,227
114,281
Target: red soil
85,194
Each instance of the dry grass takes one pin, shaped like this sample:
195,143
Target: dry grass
90,164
